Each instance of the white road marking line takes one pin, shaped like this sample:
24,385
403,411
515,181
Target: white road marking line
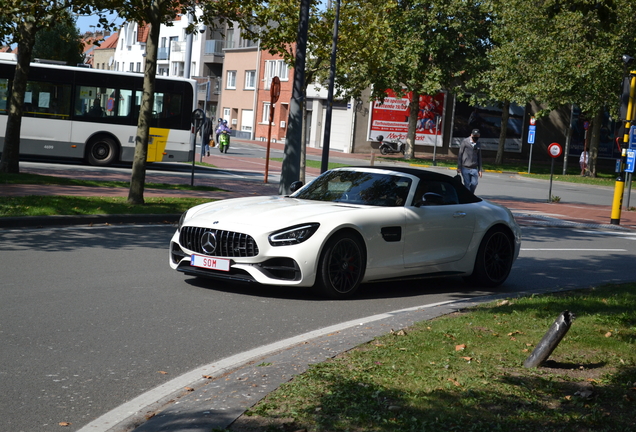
574,250
216,369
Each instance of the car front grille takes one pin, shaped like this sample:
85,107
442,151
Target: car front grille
218,243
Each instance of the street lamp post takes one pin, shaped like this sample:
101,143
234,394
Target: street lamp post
290,171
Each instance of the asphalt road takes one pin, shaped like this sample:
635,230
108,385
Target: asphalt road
93,316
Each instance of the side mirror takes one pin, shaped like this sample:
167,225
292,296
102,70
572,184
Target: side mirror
295,186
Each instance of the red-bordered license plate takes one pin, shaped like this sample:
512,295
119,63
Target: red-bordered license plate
210,262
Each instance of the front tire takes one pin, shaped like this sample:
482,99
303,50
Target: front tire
494,259
341,266
102,151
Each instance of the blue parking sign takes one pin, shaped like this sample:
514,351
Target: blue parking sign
632,138
532,129
630,162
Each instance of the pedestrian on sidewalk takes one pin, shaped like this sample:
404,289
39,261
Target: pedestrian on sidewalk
469,160
206,135
583,160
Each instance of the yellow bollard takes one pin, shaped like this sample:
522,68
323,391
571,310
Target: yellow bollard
617,203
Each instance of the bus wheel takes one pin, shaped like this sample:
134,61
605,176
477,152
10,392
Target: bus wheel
102,151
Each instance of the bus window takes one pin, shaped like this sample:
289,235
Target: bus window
86,99
46,100
126,104
167,110
4,96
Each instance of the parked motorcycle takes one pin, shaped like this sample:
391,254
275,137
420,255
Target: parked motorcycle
224,141
390,147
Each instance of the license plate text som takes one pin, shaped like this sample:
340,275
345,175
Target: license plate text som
210,262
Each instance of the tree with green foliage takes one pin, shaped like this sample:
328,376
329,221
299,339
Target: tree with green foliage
418,47
61,42
20,23
275,25
560,53
154,13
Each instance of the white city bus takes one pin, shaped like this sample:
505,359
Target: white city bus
91,115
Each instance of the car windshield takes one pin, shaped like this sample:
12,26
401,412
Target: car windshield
358,187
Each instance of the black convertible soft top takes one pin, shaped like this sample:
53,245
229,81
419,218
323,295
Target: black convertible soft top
464,195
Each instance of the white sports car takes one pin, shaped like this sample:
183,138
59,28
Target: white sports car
350,226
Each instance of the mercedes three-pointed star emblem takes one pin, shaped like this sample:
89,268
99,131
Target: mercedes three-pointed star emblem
208,242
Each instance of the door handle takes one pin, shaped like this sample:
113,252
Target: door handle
459,214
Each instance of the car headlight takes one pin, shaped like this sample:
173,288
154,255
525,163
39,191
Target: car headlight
293,235
181,220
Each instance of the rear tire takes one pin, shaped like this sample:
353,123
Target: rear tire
494,259
341,266
383,150
102,151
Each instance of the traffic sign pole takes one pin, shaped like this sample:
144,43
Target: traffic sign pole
532,131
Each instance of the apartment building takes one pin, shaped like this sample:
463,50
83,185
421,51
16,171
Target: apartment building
271,66
239,85
233,76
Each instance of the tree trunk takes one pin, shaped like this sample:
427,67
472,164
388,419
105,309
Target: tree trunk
138,177
505,114
10,162
414,109
595,138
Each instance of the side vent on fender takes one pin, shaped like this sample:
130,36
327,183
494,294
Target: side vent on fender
391,234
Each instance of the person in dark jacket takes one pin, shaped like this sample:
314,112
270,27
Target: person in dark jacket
469,160
206,134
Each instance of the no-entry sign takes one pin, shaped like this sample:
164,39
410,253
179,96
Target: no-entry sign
555,150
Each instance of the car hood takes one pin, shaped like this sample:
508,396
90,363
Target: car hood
272,211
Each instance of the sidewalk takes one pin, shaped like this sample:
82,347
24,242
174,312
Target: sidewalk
526,212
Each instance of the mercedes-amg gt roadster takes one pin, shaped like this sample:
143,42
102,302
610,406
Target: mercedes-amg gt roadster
348,227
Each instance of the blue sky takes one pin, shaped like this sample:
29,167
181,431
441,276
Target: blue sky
84,23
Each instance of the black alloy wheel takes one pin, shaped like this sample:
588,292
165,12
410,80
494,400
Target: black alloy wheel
494,259
341,266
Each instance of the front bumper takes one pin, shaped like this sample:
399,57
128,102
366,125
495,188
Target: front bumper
271,266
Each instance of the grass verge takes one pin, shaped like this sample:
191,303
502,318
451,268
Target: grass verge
35,205
463,372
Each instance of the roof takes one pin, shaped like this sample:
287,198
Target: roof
110,42
143,31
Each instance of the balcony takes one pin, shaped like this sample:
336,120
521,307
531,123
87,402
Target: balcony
163,53
214,47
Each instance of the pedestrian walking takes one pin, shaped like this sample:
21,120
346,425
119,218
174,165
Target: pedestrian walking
469,160
583,160
206,135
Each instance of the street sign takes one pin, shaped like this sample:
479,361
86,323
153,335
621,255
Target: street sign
631,161
532,130
555,150
632,138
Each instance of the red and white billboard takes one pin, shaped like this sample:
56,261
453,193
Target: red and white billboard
391,118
